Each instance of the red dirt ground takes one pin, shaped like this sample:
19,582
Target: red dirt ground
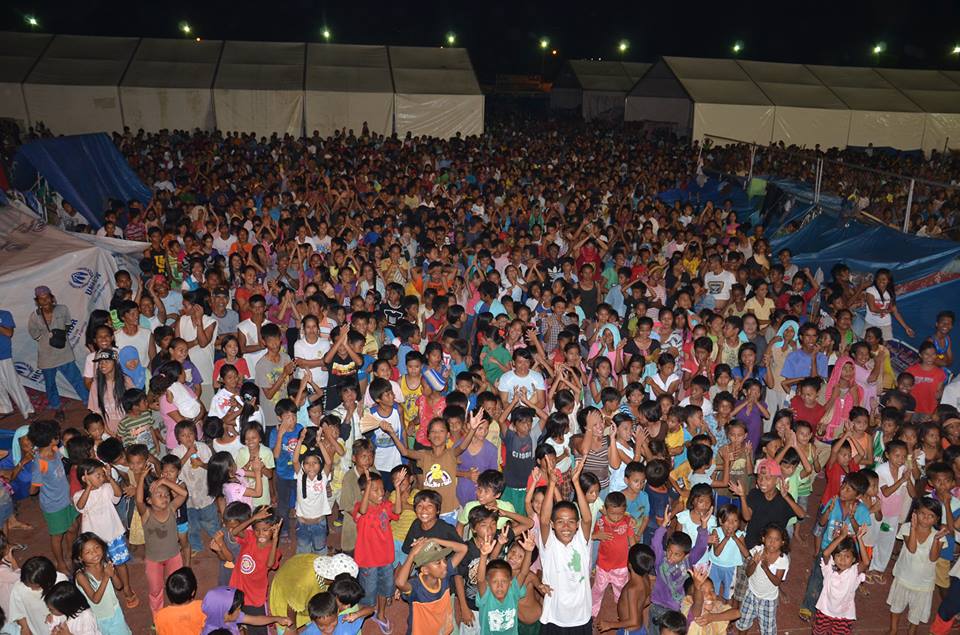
873,614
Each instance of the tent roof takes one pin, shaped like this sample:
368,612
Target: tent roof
863,89
261,66
162,63
427,70
82,60
933,91
791,85
597,75
18,53
348,68
659,81
635,70
716,81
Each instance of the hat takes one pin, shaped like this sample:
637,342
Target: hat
769,467
431,553
329,567
107,354
41,290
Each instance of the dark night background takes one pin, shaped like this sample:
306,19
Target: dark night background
503,37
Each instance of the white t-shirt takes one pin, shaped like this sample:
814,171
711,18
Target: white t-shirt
566,570
250,334
223,245
706,407
315,504
387,455
914,570
99,514
883,301
195,478
311,352
25,603
759,584
719,284
509,382
185,400
140,341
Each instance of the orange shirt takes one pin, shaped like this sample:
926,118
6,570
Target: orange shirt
180,619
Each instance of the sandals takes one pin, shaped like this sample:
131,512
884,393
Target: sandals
384,626
132,601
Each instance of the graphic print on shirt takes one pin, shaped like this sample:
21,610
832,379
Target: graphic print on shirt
576,566
501,620
247,564
437,477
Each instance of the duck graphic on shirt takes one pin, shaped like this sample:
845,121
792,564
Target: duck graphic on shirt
437,477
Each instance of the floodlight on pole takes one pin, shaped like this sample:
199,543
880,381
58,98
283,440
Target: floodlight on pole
31,21
956,49
185,28
879,48
451,39
737,47
544,43
326,34
623,46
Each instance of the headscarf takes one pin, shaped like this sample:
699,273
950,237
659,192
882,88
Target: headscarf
783,329
215,606
15,452
138,375
839,412
613,329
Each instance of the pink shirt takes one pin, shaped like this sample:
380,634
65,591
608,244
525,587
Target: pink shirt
839,591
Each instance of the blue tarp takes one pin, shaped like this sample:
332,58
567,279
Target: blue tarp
713,189
920,309
86,170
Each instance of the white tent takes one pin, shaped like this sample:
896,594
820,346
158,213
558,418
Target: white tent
939,97
436,92
169,85
73,88
259,88
880,115
596,87
659,97
347,85
78,271
18,53
806,113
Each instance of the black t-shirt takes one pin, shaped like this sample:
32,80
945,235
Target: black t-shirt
520,460
440,529
765,512
467,569
393,314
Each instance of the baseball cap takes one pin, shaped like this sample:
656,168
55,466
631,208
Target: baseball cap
329,567
431,553
106,354
41,290
769,467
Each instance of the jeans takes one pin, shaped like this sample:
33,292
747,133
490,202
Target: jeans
312,538
285,489
72,374
814,584
202,519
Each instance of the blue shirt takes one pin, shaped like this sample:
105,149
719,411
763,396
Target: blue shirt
6,319
639,507
54,487
797,366
287,444
402,351
861,514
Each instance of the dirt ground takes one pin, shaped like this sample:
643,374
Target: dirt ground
872,612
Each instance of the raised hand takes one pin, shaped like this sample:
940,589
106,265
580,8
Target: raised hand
486,546
526,541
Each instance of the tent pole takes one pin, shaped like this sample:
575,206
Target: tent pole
753,154
906,218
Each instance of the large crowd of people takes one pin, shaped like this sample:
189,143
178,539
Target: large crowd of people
489,377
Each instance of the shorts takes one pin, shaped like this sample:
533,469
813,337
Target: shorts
723,578
60,522
183,528
117,551
919,603
825,625
942,577
740,583
376,581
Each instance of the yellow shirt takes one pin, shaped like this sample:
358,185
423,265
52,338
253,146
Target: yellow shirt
681,474
401,526
761,310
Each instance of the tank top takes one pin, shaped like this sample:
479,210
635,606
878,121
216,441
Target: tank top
161,537
108,605
440,475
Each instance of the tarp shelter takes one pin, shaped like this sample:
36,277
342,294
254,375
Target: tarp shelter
939,97
347,85
259,88
74,86
722,98
597,88
436,92
86,170
78,271
18,53
881,114
168,85
806,113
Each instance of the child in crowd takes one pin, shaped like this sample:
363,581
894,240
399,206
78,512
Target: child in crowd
766,570
49,479
97,579
201,507
498,594
614,531
311,468
675,554
259,554
431,608
159,517
842,566
915,570
183,613
374,549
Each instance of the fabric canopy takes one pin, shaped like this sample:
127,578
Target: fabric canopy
86,170
259,88
936,94
436,92
73,87
168,85
18,53
346,86
598,88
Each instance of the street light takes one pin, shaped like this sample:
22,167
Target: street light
879,48
544,43
956,49
185,28
737,47
623,46
326,34
451,39
31,21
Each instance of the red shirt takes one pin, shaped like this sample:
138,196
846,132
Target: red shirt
613,553
374,538
925,387
810,415
250,573
835,476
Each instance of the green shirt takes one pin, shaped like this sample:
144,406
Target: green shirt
493,371
497,616
464,516
138,429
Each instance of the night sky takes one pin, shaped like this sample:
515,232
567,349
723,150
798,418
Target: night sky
503,37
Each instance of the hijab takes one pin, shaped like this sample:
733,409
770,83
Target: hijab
216,604
15,452
139,374
783,329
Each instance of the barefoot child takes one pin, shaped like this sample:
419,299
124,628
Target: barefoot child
635,596
843,564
